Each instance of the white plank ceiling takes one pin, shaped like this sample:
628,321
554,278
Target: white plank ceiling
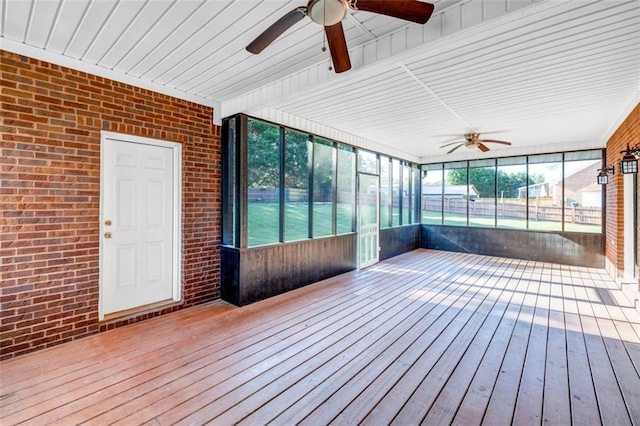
547,75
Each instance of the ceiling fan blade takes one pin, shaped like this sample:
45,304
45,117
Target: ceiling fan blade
338,47
452,143
276,30
409,10
454,148
495,141
483,147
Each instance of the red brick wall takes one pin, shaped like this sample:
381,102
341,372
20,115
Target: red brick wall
628,132
50,188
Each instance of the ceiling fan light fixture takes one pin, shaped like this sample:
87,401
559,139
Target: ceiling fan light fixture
472,137
327,12
472,141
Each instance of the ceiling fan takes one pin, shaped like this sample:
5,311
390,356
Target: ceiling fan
330,13
473,140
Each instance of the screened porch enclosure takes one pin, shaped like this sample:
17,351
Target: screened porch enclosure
294,205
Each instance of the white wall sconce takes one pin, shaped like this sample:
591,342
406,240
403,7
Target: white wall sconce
603,176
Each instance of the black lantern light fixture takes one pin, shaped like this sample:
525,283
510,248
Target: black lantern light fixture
603,176
629,163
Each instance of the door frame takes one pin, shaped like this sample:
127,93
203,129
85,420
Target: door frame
630,226
176,149
358,224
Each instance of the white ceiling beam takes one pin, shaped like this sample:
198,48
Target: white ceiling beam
430,91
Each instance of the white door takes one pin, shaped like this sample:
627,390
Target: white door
368,218
138,238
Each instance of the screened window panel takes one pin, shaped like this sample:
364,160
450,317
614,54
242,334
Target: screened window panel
297,157
229,235
582,195
323,168
545,192
455,193
346,180
263,181
385,192
511,193
415,195
367,162
482,193
432,193
405,195
396,196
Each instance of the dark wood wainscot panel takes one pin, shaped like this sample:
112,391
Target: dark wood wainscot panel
399,240
557,247
253,274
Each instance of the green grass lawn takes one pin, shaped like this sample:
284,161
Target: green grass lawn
264,217
263,225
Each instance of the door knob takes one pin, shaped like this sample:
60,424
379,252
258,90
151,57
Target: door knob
107,222
107,234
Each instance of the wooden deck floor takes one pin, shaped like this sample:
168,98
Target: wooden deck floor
427,337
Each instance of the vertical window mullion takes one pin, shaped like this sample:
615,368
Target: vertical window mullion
312,155
334,190
526,201
281,147
412,202
400,193
495,195
390,203
603,195
562,211
468,190
443,188
242,192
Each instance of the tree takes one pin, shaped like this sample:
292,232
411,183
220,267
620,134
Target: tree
509,183
296,158
483,179
323,170
263,154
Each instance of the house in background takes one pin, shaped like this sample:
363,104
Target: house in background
125,101
575,184
580,187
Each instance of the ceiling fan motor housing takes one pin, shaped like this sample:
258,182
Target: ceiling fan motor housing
327,12
472,140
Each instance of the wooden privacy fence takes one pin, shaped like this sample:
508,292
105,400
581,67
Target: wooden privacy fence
515,210
272,195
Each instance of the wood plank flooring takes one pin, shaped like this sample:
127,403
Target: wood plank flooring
429,337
